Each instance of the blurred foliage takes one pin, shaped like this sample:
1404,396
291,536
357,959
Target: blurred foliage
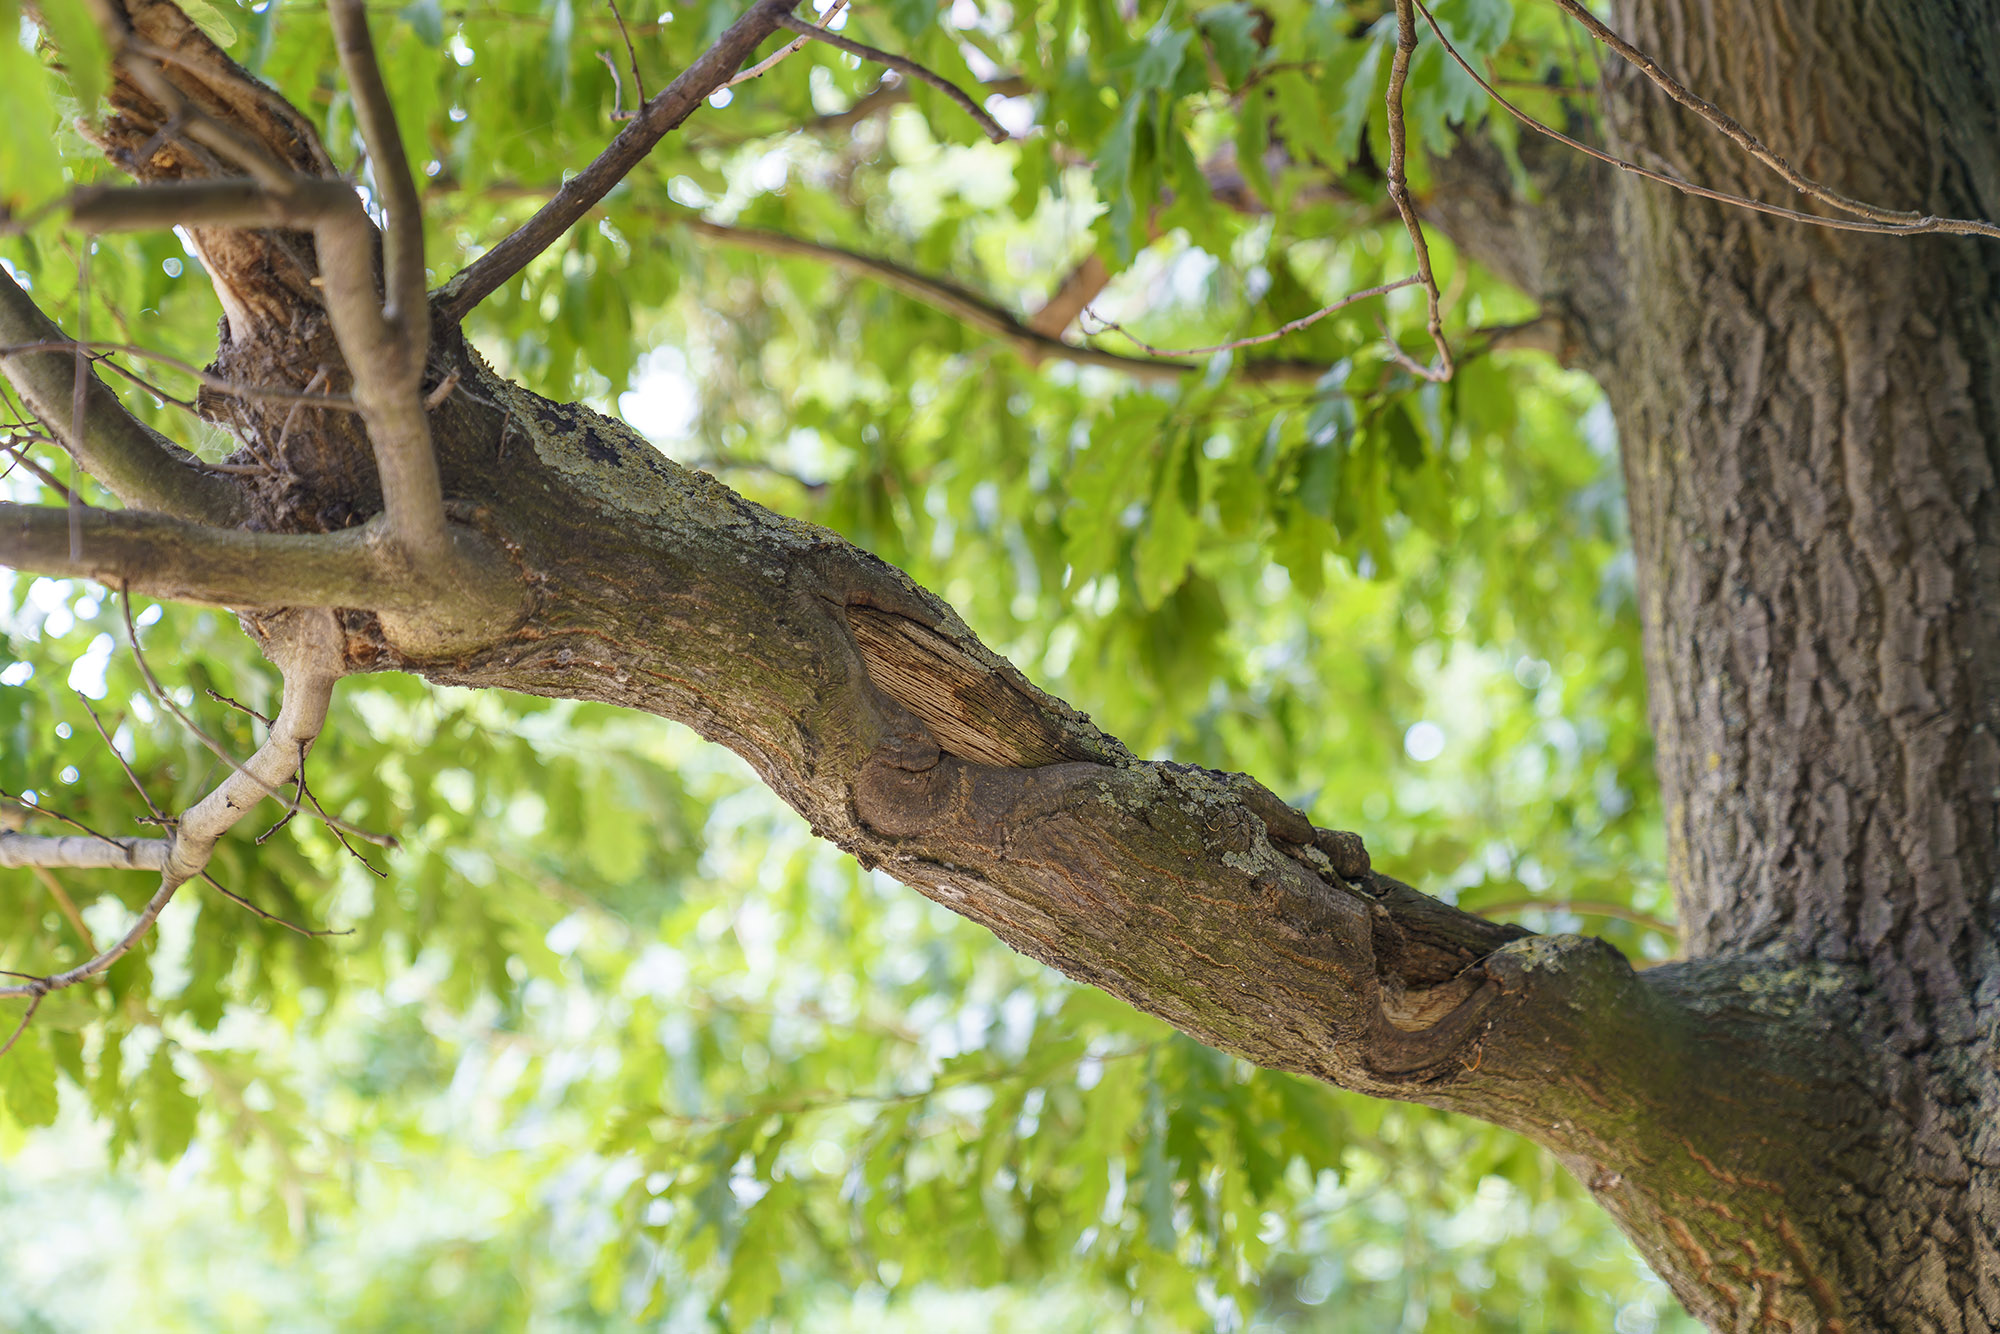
611,1043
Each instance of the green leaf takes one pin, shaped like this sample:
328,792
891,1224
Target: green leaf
28,1076
85,57
1231,31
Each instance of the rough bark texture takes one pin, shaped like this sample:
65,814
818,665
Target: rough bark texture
1798,1125
1811,423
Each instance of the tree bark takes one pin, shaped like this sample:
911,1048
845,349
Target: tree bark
1797,1126
1811,427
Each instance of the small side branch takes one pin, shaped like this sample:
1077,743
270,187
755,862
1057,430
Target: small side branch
479,279
138,464
979,313
910,68
1731,129
1399,194
309,656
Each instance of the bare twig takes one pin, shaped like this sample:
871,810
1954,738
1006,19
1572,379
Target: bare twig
234,388
135,462
1290,327
758,70
1733,130
19,453
581,192
638,79
1399,194
994,130
618,111
1926,224
221,752
34,1004
982,314
267,915
111,746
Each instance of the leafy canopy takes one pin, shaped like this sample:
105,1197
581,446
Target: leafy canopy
612,1039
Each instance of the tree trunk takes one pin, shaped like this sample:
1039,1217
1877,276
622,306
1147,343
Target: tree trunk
1800,1126
1811,427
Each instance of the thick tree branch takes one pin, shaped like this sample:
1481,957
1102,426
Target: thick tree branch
136,463
580,193
84,852
165,557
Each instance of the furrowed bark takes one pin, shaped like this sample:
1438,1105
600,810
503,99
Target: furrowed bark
1811,425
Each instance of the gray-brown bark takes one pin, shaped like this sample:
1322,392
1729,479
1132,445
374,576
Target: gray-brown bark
1796,1126
1812,433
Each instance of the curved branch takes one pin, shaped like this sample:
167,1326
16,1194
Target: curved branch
910,68
478,280
307,650
136,463
987,317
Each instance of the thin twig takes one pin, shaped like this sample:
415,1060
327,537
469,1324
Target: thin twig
618,111
581,193
1733,130
1953,226
805,28
19,454
42,986
638,80
238,705
268,916
57,815
758,70
111,746
34,1004
215,382
1292,327
1399,194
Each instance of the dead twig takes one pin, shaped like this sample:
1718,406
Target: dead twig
1733,130
268,916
